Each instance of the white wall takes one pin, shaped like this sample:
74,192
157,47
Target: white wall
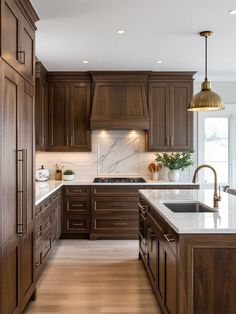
227,90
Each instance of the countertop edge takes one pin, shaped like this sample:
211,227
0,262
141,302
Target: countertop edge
71,183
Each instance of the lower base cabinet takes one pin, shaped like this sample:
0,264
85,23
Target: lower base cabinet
76,212
114,213
47,229
189,273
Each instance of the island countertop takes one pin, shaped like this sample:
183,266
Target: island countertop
223,220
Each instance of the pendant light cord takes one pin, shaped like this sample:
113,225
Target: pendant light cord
206,58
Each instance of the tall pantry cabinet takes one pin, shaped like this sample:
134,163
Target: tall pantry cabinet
17,150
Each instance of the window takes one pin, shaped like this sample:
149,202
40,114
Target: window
216,145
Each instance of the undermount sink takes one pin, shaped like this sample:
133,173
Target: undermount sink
188,208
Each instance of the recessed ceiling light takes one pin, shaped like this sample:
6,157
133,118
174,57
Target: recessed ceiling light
232,11
120,31
85,61
159,61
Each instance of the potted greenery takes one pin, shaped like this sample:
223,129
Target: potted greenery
68,175
174,162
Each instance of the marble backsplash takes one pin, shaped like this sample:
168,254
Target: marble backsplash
114,153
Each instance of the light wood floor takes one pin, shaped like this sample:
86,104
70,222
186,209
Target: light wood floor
91,277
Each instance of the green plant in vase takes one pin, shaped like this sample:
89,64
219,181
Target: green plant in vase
68,175
175,162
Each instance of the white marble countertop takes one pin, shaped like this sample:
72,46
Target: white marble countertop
45,189
223,220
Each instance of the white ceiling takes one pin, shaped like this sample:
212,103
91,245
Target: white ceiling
75,30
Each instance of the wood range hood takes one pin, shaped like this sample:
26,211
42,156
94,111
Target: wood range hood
119,101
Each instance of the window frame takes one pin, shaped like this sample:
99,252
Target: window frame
230,113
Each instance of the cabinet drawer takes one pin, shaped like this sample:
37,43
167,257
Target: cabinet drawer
77,224
77,205
37,211
115,224
38,232
118,190
46,204
47,244
38,260
55,197
77,190
46,222
115,205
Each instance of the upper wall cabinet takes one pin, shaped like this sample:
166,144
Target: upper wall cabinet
17,33
41,107
69,115
171,125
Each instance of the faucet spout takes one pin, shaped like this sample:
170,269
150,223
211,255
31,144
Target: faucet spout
216,197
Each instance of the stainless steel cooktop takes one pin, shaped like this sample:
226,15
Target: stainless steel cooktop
119,180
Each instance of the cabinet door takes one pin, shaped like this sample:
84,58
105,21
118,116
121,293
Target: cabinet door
152,252
10,31
41,114
158,104
171,281
11,91
80,111
11,99
59,117
27,51
161,270
25,146
181,120
10,277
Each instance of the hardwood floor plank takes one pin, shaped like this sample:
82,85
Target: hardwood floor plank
96,277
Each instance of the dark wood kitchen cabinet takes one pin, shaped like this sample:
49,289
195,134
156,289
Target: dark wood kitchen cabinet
41,107
47,229
190,273
16,138
69,116
17,190
161,260
18,36
76,212
114,213
171,125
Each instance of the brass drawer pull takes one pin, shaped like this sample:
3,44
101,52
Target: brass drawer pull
169,238
119,205
79,224
119,223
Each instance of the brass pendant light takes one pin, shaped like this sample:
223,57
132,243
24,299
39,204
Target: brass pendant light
206,100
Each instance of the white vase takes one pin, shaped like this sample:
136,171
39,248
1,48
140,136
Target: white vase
163,174
70,177
173,175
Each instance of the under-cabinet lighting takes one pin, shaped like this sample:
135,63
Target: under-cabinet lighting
120,31
232,11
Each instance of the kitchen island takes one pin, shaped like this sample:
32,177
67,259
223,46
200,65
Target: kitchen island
190,257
